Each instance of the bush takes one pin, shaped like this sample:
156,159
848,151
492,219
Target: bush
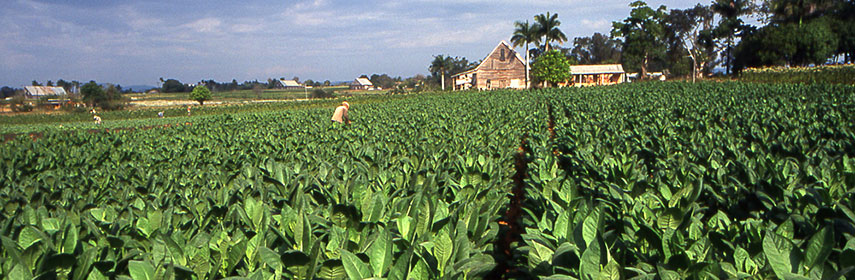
19,104
320,93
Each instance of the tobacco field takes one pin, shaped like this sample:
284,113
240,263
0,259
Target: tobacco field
637,181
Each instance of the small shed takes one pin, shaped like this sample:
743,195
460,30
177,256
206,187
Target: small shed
596,75
289,84
42,91
361,84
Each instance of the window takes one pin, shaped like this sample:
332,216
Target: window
502,58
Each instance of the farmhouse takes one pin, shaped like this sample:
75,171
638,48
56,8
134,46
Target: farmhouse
502,68
361,83
288,84
42,91
595,75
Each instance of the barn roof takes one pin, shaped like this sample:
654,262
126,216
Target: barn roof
44,91
362,82
289,83
596,69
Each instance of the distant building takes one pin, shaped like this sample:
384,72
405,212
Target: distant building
42,91
361,84
288,84
502,68
595,75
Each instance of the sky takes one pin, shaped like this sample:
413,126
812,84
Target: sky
137,42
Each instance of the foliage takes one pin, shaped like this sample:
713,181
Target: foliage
832,74
551,67
643,36
92,93
200,94
597,49
443,65
320,93
525,33
19,104
787,44
546,26
730,25
173,85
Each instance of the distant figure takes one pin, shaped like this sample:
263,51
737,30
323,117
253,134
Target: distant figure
188,110
97,119
93,111
340,114
160,114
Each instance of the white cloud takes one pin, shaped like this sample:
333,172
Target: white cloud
599,24
204,25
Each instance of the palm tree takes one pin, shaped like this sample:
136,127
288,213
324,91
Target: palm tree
441,64
548,28
523,35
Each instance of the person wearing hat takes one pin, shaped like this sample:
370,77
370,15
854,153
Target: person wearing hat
340,114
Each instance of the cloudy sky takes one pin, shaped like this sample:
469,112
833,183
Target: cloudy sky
137,42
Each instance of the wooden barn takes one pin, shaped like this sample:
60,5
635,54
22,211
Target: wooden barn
361,84
34,92
595,75
502,68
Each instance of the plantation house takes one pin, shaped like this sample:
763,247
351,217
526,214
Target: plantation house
502,68
595,75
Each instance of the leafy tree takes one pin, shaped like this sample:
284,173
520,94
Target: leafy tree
730,24
173,85
687,34
798,11
551,67
36,83
643,34
787,44
546,26
92,93
7,92
523,35
597,49
200,94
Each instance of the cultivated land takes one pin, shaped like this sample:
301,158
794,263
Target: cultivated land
675,180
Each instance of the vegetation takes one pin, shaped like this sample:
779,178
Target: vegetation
643,35
200,94
552,67
833,74
675,180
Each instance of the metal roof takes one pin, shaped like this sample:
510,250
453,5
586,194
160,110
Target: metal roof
362,82
596,69
289,83
44,91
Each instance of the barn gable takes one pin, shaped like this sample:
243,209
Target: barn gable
502,68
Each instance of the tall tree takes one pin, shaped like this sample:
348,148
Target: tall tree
643,36
686,32
547,27
552,67
798,11
730,24
441,65
523,35
596,49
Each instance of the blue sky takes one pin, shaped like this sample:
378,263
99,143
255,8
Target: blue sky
137,42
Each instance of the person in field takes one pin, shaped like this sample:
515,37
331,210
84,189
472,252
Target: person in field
340,115
97,119
188,110
160,114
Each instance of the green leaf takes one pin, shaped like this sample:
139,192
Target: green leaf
442,250
355,268
269,257
29,236
611,271
141,270
819,248
589,267
778,250
590,226
380,253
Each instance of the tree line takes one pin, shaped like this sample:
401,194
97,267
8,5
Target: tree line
690,42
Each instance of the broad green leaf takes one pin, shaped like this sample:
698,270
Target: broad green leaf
380,253
779,250
442,250
270,258
819,248
29,236
589,266
355,268
141,270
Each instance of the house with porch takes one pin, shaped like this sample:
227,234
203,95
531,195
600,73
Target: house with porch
502,68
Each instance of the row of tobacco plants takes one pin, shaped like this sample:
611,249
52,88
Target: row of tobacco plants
645,181
832,74
413,189
681,181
